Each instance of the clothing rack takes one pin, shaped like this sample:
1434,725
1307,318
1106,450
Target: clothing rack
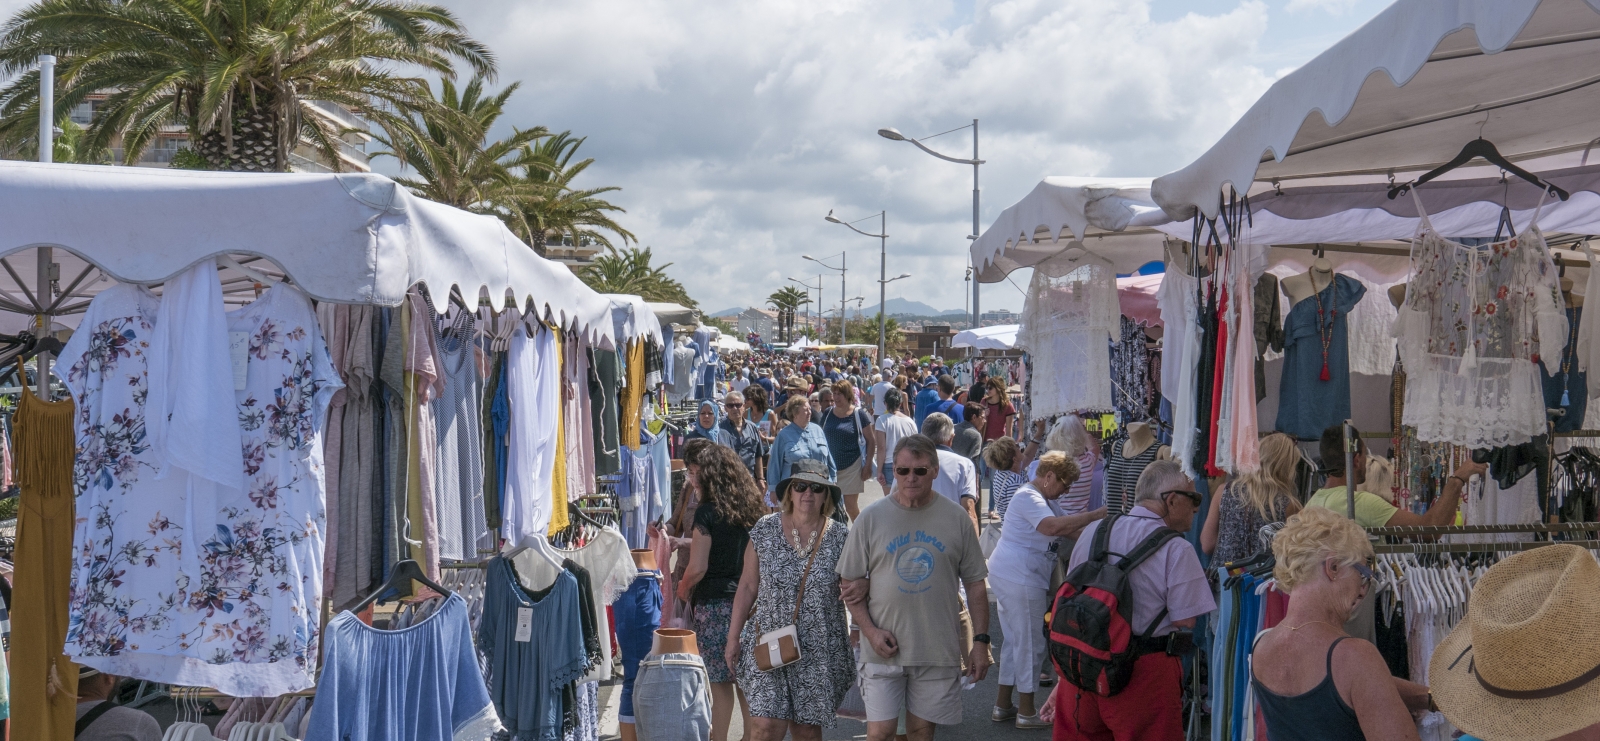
1369,435
1478,547
1532,527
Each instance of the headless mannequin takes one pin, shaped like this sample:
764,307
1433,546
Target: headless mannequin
673,641
645,559
1140,438
1305,285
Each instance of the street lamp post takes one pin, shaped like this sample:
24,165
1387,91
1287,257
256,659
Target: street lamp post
809,289
883,265
842,289
895,135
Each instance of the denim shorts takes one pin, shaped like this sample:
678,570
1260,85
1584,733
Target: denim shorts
638,613
672,699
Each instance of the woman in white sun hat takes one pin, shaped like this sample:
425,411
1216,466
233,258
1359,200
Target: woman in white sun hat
1524,664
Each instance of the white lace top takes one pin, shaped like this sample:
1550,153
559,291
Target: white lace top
1069,319
1470,332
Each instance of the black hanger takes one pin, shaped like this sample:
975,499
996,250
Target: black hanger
47,344
403,571
1484,148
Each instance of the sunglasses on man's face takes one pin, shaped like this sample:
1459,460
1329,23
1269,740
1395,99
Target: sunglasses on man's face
733,406
919,471
804,488
1189,495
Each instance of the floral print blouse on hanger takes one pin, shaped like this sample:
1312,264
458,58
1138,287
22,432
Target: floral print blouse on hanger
175,579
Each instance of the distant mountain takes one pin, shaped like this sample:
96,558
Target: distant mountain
906,307
735,311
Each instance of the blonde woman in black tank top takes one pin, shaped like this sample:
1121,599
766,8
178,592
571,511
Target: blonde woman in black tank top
1311,682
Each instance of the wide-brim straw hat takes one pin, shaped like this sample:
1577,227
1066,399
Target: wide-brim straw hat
1525,661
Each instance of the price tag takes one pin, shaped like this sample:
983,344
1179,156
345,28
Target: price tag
524,624
239,352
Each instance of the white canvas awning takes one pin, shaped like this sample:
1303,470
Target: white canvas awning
1405,92
726,343
632,318
997,337
1063,210
348,238
674,313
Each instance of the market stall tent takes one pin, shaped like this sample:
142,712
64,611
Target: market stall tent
344,238
997,337
1071,212
1402,95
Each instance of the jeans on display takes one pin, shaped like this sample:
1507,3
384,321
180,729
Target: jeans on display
672,698
638,613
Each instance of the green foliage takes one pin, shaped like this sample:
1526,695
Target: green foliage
629,271
865,331
721,323
188,159
446,144
228,69
8,508
550,208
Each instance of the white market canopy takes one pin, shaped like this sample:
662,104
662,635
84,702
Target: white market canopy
674,313
726,343
997,337
1063,210
632,318
344,238
1405,92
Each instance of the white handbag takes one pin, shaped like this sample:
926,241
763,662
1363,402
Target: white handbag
779,648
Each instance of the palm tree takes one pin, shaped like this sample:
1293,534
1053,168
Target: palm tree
787,301
554,208
446,145
629,271
243,75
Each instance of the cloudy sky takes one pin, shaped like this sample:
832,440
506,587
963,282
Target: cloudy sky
733,127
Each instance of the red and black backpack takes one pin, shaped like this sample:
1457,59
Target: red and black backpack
1090,624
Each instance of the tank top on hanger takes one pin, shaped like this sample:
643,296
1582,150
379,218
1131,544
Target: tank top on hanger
1122,475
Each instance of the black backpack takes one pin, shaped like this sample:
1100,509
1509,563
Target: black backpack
1090,623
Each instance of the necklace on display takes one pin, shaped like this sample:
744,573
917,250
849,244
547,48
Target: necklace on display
1325,332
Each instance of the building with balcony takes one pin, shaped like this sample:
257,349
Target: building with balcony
763,322
303,158
570,252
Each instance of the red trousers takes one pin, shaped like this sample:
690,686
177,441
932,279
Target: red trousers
1149,709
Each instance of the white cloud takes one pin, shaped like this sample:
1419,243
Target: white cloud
734,127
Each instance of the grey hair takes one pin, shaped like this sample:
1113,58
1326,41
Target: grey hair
920,446
733,396
1158,477
939,427
1069,436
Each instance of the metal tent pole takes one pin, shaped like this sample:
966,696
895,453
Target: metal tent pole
45,255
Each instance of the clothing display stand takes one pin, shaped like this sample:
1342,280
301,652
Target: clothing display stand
674,641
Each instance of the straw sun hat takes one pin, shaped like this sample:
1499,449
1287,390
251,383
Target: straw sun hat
1525,661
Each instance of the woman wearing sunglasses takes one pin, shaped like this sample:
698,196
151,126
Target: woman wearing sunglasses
801,541
1019,574
1312,682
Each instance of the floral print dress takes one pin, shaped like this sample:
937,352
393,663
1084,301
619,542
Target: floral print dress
177,580
807,692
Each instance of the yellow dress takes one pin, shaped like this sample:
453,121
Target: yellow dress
633,397
558,477
44,683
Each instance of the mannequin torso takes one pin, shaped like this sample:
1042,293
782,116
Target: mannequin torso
1140,438
1305,285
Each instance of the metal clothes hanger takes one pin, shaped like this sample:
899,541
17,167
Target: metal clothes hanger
1479,148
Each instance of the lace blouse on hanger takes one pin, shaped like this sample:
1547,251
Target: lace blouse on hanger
1470,331
1068,322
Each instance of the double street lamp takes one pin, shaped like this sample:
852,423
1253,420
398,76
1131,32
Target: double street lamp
895,135
842,288
809,289
883,265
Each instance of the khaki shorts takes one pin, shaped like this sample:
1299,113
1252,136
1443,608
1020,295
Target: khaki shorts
932,693
850,480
